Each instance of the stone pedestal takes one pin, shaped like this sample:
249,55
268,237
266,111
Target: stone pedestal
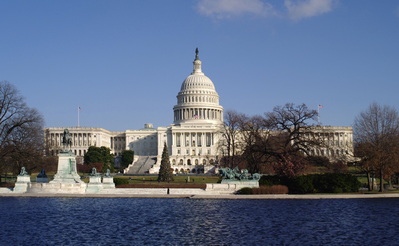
41,180
108,183
94,185
66,172
22,184
242,183
42,177
58,188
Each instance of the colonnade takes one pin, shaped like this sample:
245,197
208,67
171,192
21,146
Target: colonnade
78,139
198,113
193,139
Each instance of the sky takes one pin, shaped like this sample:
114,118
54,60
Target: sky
123,62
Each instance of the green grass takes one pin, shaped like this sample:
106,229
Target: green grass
177,179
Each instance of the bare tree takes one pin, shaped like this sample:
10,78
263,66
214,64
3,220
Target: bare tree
294,122
21,129
377,131
230,137
255,143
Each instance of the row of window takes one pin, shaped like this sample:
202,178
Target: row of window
188,99
189,162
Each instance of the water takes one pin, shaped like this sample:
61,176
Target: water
152,221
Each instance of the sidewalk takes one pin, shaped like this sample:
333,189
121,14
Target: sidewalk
318,196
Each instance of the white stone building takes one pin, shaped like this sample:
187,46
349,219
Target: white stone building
337,142
192,139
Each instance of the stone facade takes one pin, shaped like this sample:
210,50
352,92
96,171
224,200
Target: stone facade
337,142
192,139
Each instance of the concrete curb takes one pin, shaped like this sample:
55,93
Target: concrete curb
318,196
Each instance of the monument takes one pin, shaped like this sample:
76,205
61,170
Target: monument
23,181
42,177
240,177
94,185
108,180
66,171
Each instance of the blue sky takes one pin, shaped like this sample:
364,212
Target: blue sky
123,62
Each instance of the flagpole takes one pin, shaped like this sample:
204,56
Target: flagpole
318,115
78,116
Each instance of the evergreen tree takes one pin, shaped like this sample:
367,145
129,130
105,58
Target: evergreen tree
165,171
100,155
127,158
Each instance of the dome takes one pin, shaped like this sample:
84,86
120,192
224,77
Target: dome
197,81
197,100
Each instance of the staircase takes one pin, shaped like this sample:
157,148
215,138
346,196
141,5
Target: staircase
142,165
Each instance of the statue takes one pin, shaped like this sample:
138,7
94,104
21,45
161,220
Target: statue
66,139
42,174
93,172
237,174
23,172
108,173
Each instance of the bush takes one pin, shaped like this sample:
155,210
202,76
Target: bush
336,183
120,181
245,191
270,180
301,184
274,189
314,183
86,168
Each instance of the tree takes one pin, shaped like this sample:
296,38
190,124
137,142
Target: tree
230,137
376,133
256,144
165,171
293,124
21,131
127,158
292,137
100,155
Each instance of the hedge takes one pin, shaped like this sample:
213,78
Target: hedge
315,183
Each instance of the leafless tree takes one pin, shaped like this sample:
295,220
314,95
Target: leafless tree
255,143
230,141
376,131
21,129
281,136
295,123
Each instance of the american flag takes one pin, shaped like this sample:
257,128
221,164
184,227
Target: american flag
320,106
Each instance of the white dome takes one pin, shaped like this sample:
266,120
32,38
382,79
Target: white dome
197,81
197,100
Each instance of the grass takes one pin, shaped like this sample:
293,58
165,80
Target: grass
150,181
177,179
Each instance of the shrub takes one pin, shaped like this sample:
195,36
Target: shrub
336,183
314,183
270,180
245,191
274,189
86,168
120,181
301,184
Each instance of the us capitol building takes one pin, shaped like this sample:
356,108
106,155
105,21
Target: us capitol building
192,139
